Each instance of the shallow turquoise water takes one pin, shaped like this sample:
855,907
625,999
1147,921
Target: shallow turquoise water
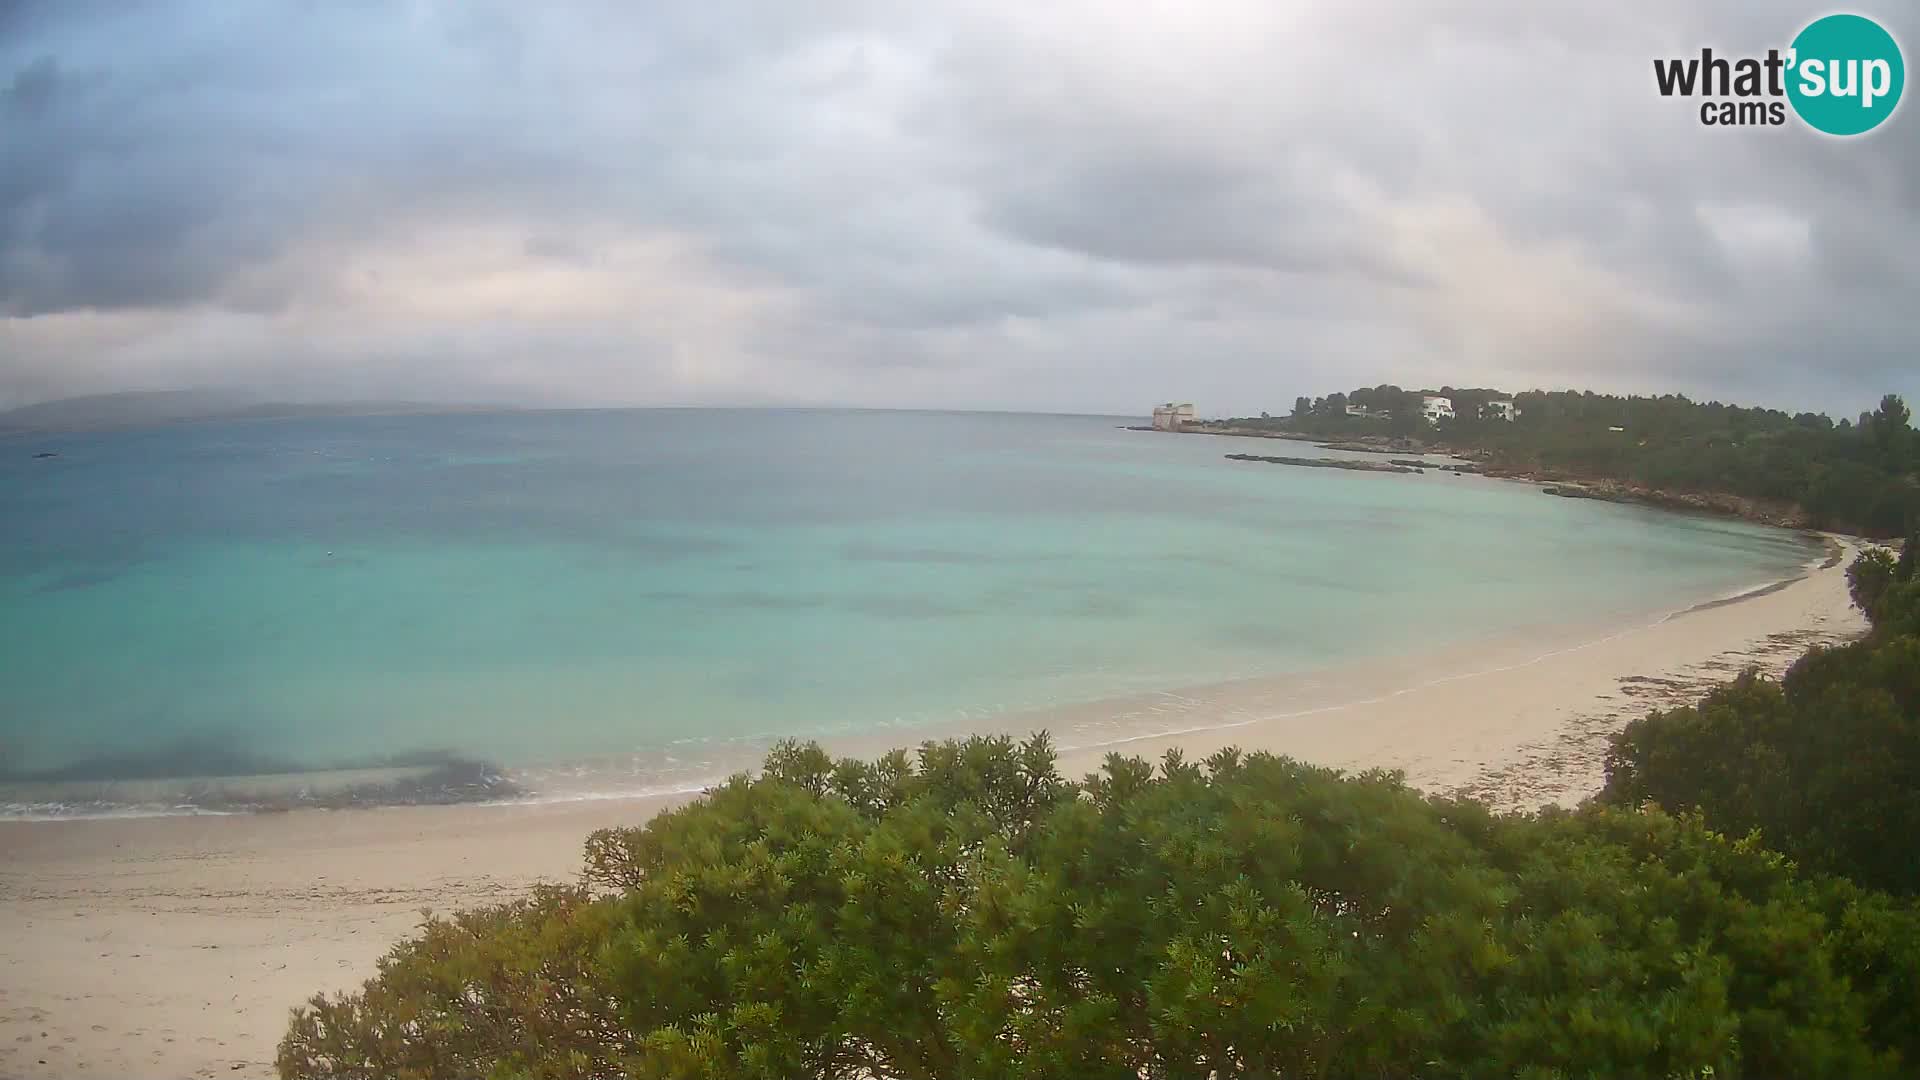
639,587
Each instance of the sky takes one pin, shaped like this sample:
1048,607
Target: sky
1002,204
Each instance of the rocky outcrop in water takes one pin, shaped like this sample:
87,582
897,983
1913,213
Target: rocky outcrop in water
1365,447
1782,515
1325,463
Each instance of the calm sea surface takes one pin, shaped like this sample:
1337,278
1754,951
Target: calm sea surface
607,601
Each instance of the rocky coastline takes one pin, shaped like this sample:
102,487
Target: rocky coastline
1326,463
1762,511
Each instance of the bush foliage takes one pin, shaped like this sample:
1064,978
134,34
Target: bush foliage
968,912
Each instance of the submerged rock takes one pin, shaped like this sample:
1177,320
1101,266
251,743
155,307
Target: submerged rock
1325,463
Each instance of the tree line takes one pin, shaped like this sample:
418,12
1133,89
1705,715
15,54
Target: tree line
1853,475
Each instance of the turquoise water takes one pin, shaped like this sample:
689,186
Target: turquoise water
625,594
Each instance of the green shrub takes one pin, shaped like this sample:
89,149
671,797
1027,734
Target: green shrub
515,990
1869,577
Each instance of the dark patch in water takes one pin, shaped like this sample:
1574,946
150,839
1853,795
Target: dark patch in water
336,562
200,755
216,777
218,756
904,607
913,607
455,780
85,579
865,552
1277,635
673,547
748,600
1094,605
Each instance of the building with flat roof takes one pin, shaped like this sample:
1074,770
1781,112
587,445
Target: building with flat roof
1171,417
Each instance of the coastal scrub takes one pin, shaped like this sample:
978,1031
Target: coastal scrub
967,911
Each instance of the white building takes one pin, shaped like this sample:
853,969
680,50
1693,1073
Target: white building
1365,413
1436,408
1503,409
1171,417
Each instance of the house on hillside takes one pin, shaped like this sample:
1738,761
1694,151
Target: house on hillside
1436,408
1365,413
1171,417
1502,409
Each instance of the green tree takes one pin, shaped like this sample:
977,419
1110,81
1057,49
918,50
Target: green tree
1891,432
1870,576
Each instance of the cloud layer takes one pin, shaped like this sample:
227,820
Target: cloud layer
1068,206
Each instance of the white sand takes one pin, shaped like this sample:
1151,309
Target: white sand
173,947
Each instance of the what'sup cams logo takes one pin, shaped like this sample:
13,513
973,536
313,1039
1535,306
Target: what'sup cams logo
1842,75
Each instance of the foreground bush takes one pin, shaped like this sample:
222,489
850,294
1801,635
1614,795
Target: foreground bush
970,914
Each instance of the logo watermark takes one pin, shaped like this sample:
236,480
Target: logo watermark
1841,75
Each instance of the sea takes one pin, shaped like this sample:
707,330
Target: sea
546,605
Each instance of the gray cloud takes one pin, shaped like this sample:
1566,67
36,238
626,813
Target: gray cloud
1004,205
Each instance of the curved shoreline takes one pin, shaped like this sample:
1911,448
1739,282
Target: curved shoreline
175,945
1115,723
1128,719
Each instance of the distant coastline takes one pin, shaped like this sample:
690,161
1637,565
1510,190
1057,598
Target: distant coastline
160,408
1564,483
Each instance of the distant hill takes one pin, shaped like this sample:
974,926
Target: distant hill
149,408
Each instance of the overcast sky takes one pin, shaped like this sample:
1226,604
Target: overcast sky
1057,205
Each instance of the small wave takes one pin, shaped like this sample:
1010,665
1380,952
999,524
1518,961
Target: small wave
58,811
450,781
1829,557
1747,594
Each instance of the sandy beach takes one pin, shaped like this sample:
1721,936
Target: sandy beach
173,947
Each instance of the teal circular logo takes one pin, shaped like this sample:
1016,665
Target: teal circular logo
1845,74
